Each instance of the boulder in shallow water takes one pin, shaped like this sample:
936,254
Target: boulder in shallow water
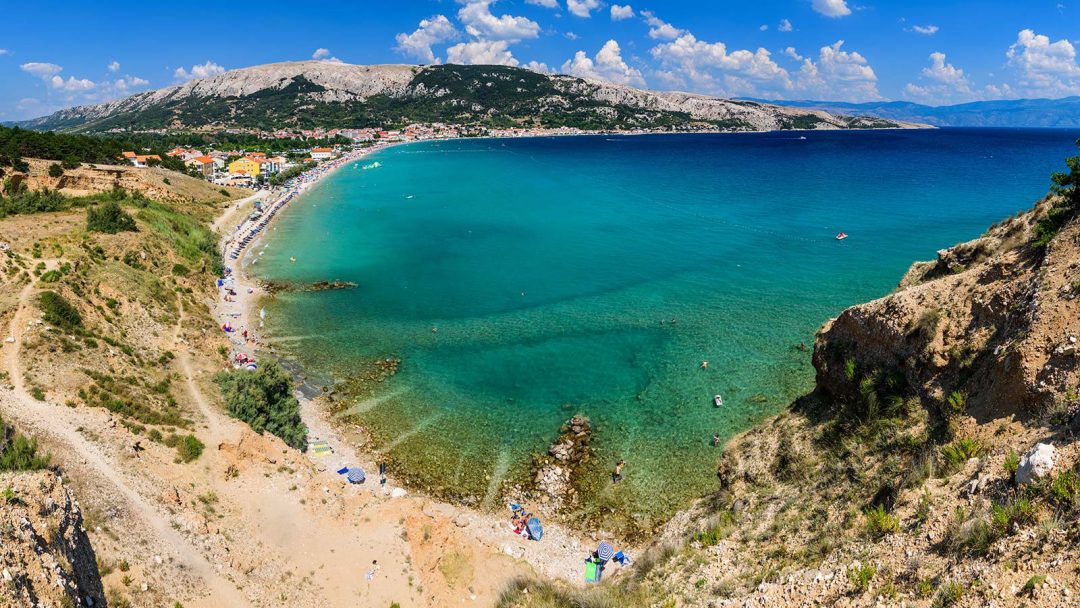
1035,464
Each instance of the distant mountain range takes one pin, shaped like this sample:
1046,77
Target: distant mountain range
310,94
1060,113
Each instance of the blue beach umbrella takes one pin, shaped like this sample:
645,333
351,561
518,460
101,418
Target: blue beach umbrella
356,476
605,552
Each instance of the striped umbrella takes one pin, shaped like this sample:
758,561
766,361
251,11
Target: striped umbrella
356,476
605,551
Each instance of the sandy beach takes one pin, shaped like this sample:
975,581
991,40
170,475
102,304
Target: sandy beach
561,552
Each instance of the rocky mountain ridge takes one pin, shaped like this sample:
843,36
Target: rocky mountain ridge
309,94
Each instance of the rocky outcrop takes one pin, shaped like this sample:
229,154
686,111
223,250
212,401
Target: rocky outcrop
552,489
991,325
45,556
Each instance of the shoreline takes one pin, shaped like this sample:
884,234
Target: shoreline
563,548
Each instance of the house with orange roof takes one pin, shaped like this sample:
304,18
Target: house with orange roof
322,153
203,164
139,160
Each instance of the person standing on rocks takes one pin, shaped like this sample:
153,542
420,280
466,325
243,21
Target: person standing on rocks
616,476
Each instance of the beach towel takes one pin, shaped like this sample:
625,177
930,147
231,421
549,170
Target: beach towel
343,470
320,448
592,571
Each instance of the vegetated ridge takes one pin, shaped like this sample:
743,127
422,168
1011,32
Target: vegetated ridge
310,94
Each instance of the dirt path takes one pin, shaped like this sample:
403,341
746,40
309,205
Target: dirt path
237,209
31,412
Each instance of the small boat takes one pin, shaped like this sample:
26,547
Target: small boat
841,236
718,401
292,259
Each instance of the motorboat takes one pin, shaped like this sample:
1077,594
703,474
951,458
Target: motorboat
841,236
718,401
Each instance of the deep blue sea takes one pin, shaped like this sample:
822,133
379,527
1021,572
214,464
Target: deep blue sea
548,264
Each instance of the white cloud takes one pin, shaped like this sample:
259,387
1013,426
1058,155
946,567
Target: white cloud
715,69
114,66
839,75
621,12
1045,68
832,8
538,66
608,65
4,52
925,30
481,52
544,3
480,23
430,32
946,83
571,36
41,70
660,29
71,85
198,71
582,8
791,52
763,28
322,54
129,82
785,26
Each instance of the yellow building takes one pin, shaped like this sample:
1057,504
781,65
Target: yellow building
248,165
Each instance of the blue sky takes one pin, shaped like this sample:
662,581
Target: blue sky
851,50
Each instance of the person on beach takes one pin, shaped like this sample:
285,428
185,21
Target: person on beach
382,473
370,576
616,476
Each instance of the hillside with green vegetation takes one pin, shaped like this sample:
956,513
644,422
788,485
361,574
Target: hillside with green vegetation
318,94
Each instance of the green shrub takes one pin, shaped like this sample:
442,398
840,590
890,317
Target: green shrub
189,448
1032,584
180,270
1011,464
26,202
109,218
850,369
956,454
19,452
37,393
55,170
56,310
1065,489
1004,516
265,401
949,595
861,577
957,402
879,523
50,276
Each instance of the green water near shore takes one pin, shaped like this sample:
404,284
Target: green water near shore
547,265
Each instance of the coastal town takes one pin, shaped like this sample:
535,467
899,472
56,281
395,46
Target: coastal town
253,168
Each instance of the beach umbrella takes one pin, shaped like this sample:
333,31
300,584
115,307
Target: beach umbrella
356,476
605,551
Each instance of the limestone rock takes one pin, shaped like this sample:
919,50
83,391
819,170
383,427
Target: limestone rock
1035,464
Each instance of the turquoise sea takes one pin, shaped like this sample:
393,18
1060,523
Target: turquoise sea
548,264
